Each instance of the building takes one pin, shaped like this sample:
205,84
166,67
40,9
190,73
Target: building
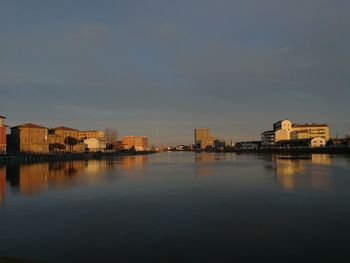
95,145
219,144
82,135
140,143
27,138
310,130
300,134
203,138
282,130
249,145
268,139
2,135
58,137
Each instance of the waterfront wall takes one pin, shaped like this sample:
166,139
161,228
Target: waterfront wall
34,158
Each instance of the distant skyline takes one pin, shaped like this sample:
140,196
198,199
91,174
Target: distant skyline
172,66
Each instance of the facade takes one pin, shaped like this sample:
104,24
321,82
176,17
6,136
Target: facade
249,145
82,135
28,138
58,135
2,135
268,139
318,142
95,145
312,130
139,142
203,138
282,130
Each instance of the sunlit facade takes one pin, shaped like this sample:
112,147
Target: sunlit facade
28,138
140,143
82,135
312,130
2,135
203,138
58,135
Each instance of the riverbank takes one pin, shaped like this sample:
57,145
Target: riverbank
35,158
297,151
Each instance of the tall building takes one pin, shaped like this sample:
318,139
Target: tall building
203,138
2,135
28,137
139,142
282,130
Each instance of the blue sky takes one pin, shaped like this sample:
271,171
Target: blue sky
138,66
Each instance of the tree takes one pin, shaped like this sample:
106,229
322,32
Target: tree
56,147
111,136
71,141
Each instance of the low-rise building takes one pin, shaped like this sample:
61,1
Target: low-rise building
95,145
140,143
249,145
82,135
28,138
2,135
312,130
62,135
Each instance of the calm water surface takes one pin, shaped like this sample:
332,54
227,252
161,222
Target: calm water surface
178,207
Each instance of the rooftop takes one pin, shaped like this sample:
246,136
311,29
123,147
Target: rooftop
2,117
28,125
64,128
310,125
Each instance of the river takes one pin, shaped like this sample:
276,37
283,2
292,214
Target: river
178,207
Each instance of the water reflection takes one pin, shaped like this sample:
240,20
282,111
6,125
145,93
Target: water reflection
2,183
312,172
29,179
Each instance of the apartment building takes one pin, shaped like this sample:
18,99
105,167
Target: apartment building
28,137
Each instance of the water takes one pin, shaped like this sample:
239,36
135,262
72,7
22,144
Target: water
178,207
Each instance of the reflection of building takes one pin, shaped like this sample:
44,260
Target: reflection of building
60,135
2,135
203,138
139,142
301,173
2,184
33,178
82,135
28,137
131,162
95,144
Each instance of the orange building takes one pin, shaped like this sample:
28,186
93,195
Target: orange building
2,135
58,135
28,137
139,142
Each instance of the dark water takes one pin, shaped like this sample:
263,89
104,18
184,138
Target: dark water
178,207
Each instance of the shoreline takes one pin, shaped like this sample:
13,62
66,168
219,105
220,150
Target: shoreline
53,157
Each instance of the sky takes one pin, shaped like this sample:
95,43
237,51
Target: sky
164,67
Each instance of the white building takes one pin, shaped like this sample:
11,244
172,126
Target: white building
318,142
95,145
